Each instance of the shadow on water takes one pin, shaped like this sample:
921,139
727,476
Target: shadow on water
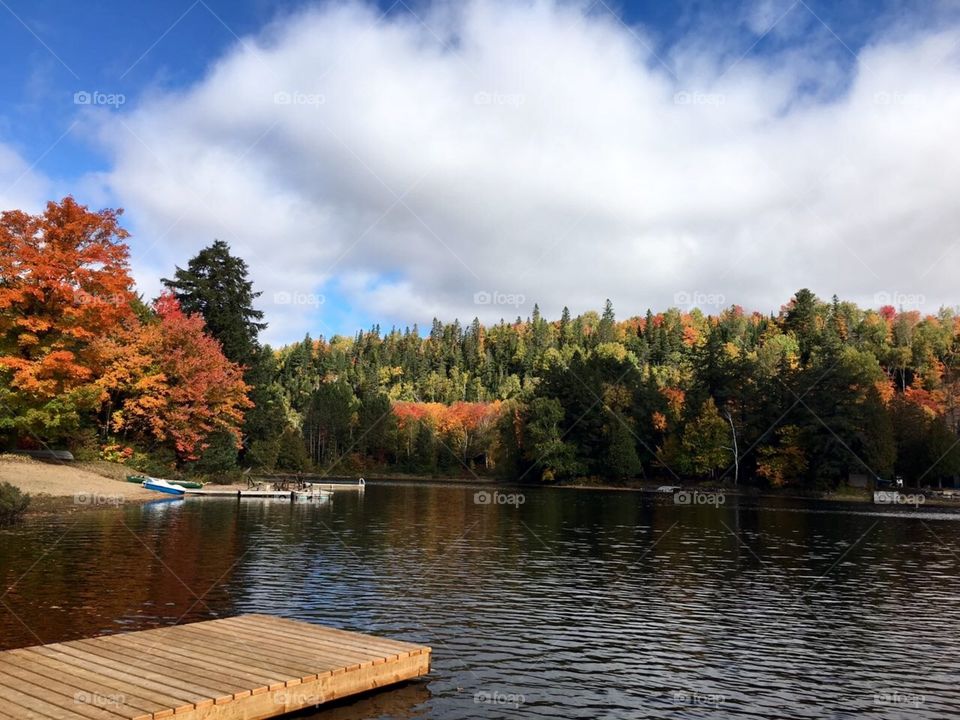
406,701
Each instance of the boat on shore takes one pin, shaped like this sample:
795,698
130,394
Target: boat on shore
140,479
163,486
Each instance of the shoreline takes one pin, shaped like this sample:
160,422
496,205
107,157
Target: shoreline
851,495
65,489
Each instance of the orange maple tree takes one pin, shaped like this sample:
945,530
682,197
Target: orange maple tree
64,281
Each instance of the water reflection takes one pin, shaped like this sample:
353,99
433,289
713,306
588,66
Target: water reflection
581,604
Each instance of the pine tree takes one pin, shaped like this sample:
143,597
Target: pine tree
215,285
607,330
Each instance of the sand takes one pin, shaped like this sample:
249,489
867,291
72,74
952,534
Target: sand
67,480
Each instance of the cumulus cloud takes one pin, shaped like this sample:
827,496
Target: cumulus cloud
485,156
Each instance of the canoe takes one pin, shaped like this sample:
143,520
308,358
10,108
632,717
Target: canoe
163,486
139,479
63,455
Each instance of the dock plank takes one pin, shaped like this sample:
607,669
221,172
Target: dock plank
207,668
120,674
268,670
160,704
63,694
291,665
243,668
346,645
289,648
171,675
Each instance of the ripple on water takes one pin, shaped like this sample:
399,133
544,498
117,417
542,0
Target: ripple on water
579,605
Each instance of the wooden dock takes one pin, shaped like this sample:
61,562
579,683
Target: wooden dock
243,668
241,494
315,491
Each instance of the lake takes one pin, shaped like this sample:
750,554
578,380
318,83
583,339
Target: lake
553,603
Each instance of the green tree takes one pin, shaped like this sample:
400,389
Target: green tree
801,320
705,441
215,285
545,449
291,452
264,422
376,426
607,329
220,455
622,461
329,422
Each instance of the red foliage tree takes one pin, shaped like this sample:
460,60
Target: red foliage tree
172,383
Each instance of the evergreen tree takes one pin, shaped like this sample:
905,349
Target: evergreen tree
622,460
215,285
607,329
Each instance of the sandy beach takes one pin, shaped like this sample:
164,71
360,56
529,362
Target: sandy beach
60,480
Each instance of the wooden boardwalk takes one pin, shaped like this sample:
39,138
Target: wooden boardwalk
242,668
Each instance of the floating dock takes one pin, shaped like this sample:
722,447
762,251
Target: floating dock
249,667
287,494
315,491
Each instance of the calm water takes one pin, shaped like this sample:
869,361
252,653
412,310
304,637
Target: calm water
583,604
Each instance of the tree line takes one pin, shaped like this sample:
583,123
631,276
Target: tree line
808,396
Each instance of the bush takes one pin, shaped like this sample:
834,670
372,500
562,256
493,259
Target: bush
13,504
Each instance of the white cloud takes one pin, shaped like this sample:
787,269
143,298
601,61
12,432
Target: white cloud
534,151
21,185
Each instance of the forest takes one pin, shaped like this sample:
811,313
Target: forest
805,397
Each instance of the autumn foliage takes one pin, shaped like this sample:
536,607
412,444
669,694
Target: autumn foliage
170,382
73,351
466,430
64,281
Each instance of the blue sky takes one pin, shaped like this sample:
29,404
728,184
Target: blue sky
52,48
769,66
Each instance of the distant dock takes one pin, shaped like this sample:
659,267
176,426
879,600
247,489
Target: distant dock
249,667
314,491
